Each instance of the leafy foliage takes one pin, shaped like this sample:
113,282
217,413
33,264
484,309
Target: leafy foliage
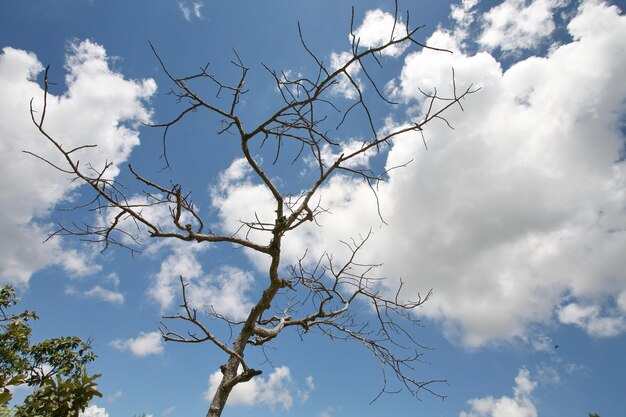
55,368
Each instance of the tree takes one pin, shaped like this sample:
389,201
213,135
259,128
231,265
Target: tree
316,293
55,368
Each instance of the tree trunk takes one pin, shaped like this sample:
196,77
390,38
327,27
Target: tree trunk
224,388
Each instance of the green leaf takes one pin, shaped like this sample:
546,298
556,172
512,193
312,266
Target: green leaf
17,380
5,397
66,389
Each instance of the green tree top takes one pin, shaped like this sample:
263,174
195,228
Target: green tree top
54,368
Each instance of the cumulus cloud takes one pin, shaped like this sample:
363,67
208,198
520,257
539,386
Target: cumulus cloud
143,345
98,104
590,318
128,232
344,86
94,411
104,294
519,207
520,405
235,185
98,292
225,290
376,29
464,15
330,154
519,24
276,390
527,202
191,9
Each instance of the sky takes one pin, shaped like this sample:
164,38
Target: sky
515,217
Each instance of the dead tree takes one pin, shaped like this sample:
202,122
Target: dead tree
312,295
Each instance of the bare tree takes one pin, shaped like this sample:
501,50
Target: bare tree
312,295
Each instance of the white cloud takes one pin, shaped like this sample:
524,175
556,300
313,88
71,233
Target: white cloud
464,15
541,343
575,368
589,318
238,170
330,154
129,232
105,295
275,390
621,301
99,292
167,284
113,279
94,411
344,87
191,9
234,186
115,396
519,24
225,290
143,345
547,375
98,104
168,411
522,203
520,405
305,393
376,31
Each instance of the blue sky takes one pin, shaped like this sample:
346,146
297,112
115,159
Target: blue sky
516,219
